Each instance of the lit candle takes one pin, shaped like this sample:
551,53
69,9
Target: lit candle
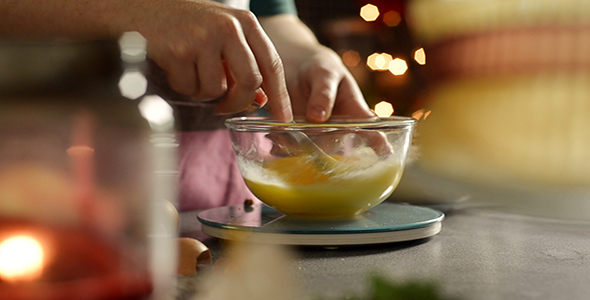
22,258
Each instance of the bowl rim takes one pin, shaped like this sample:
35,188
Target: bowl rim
266,123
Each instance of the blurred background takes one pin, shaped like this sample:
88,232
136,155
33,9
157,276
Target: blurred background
505,85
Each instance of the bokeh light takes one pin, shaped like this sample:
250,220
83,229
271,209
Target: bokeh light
372,61
351,58
421,114
133,47
384,109
157,111
133,84
392,18
369,12
420,56
398,66
379,61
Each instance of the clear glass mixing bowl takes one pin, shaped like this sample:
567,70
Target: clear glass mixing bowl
357,165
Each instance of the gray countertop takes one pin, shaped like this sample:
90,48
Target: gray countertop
481,253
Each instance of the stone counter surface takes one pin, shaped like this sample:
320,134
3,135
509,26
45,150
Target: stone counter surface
481,253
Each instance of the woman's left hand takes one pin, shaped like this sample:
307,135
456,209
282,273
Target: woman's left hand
319,83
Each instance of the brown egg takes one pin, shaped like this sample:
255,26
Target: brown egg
191,253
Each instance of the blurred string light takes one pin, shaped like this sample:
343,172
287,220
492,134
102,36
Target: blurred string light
133,84
420,56
386,62
157,112
398,67
421,114
392,18
369,12
379,61
133,47
384,109
351,58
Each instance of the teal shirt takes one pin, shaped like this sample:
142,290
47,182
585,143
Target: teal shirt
262,8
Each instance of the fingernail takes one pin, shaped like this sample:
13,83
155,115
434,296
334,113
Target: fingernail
317,114
261,98
259,101
253,106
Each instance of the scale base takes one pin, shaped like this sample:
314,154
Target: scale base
259,223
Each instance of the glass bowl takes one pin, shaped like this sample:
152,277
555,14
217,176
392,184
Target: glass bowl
359,165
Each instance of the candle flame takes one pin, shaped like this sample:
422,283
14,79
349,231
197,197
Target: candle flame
21,258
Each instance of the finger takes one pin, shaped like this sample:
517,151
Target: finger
379,143
228,77
182,77
243,69
177,62
350,99
283,145
324,87
259,101
261,98
271,69
212,78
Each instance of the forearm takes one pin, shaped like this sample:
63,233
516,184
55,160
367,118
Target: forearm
289,35
72,18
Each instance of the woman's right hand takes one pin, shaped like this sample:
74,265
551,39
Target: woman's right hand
209,50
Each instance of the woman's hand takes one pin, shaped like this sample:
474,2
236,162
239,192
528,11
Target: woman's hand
209,50
319,83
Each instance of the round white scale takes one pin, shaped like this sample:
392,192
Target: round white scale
385,223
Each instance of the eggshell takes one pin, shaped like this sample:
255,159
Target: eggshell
191,253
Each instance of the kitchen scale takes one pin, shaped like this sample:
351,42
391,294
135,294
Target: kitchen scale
385,223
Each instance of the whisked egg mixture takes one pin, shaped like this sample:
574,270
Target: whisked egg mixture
298,186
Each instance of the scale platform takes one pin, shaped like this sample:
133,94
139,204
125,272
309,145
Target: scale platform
385,223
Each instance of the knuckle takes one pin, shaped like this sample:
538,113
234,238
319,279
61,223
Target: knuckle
247,18
180,50
325,96
251,82
323,71
200,35
228,26
276,66
329,74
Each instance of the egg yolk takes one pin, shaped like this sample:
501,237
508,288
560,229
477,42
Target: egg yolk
298,186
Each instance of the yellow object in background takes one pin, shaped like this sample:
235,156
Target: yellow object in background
509,83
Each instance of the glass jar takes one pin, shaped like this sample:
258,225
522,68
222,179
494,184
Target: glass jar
85,166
